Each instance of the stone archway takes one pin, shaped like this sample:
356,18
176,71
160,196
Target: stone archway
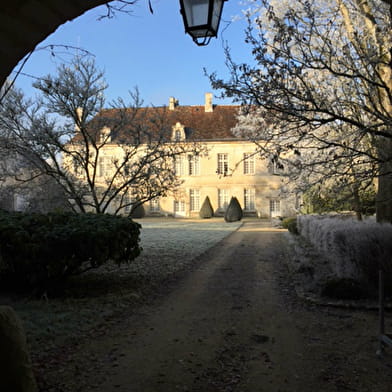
26,23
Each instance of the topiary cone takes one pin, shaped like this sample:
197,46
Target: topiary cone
139,212
234,211
206,210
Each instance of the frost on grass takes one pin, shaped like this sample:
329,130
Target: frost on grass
169,247
92,299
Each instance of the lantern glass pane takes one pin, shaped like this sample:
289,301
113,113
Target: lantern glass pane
196,12
216,14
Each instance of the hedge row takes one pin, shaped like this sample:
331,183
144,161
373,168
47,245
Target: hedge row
356,250
39,250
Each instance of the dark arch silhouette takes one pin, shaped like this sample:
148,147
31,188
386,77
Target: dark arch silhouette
26,23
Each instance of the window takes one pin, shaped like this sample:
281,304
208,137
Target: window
178,132
179,206
77,166
249,199
179,166
104,166
105,136
127,202
154,205
194,199
21,202
223,199
274,207
249,163
194,165
275,167
101,166
223,164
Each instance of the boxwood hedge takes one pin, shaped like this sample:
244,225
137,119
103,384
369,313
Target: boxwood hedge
39,250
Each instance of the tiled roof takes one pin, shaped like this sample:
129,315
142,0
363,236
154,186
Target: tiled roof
199,124
206,125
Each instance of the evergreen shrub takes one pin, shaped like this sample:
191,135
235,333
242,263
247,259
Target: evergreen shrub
234,211
290,224
139,212
38,251
206,210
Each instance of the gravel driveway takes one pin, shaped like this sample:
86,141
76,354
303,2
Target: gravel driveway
234,323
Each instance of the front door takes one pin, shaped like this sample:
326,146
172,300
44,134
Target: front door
274,208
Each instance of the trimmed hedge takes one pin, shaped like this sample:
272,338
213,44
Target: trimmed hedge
37,251
139,212
234,211
355,250
206,210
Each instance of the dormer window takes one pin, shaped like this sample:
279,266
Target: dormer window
178,133
105,136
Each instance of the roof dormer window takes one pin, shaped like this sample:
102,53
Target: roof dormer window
104,136
178,133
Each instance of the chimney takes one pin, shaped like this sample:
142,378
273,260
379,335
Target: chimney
208,107
172,103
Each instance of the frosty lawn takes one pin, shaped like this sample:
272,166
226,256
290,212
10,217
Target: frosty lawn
93,299
170,246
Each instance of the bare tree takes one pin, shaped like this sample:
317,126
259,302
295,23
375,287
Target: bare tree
22,186
319,93
105,160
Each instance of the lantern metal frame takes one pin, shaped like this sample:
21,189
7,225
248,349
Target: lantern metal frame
195,31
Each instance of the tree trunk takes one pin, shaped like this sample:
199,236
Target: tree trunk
383,92
384,192
384,197
357,205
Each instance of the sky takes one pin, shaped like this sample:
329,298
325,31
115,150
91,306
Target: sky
144,50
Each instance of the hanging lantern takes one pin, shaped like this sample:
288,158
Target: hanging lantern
201,19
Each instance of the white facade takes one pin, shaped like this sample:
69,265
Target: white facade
231,168
225,167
